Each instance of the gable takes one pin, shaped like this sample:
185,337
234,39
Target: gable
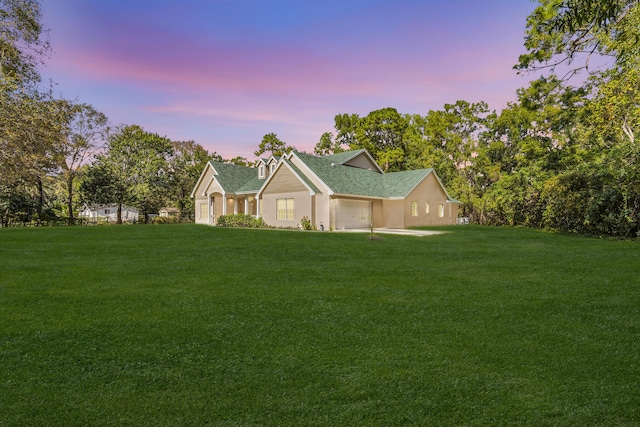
283,181
356,158
362,161
203,182
429,185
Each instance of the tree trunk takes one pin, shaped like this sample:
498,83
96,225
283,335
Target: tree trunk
70,201
119,217
40,201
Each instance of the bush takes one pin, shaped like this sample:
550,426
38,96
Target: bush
240,220
166,219
305,224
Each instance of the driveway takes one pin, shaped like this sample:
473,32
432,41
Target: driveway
400,231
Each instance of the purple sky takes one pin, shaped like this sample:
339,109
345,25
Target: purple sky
225,72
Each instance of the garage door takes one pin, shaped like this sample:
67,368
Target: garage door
349,214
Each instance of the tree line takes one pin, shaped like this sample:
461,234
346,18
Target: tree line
562,156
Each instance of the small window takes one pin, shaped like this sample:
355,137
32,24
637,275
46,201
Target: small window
284,210
426,209
441,210
273,167
107,211
414,208
261,172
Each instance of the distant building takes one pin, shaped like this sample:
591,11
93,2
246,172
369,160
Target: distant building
108,213
167,212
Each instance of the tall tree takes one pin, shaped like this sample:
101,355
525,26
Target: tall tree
382,133
135,165
271,144
87,130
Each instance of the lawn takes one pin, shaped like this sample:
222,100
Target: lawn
176,325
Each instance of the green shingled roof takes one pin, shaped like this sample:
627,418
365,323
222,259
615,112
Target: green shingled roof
344,156
361,182
232,178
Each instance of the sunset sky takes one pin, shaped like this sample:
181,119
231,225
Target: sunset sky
226,72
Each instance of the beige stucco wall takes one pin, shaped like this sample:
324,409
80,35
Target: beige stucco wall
322,214
377,213
200,201
392,214
302,206
429,191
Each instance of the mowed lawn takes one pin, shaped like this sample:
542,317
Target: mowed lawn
185,325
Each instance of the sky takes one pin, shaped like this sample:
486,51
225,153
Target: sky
224,73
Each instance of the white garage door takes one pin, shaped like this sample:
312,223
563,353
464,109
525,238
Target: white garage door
349,214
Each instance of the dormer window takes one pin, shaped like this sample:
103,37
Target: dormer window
273,167
261,172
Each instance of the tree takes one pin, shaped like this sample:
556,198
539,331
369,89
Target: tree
327,145
186,165
346,126
21,43
560,31
238,161
31,122
87,129
272,144
134,170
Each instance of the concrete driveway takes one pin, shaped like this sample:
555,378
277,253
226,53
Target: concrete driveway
400,231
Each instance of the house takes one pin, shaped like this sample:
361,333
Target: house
340,191
166,212
108,213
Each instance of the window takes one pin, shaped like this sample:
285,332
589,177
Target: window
261,172
426,209
414,208
107,211
273,167
441,210
284,209
204,212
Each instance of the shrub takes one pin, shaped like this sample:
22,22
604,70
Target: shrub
166,219
305,224
240,220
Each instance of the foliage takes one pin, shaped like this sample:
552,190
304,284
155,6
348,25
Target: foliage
272,144
185,163
560,31
240,220
184,324
175,219
87,129
327,145
22,44
305,223
238,161
133,170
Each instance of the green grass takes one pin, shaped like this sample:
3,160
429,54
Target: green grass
179,325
